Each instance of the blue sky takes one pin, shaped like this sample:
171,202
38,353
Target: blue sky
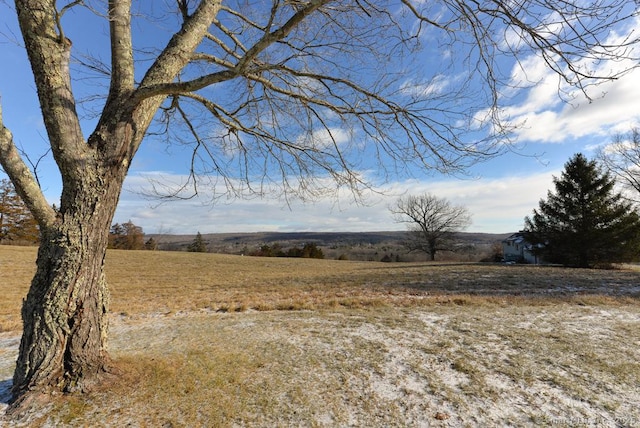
499,193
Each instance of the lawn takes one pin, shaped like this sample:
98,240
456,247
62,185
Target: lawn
216,340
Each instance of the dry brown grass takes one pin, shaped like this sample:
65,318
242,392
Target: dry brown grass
17,266
143,282
199,343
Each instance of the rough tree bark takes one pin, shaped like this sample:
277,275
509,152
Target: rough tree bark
65,312
63,347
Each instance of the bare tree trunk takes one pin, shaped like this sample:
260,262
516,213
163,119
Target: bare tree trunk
63,346
432,243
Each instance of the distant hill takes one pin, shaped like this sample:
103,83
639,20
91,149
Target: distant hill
349,245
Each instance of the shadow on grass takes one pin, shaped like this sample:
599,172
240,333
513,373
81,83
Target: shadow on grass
5,390
499,280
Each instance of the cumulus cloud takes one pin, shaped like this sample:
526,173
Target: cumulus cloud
611,106
325,138
498,205
615,109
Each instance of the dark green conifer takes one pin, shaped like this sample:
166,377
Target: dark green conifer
585,222
198,245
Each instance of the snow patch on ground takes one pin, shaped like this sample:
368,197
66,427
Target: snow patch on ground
425,367
8,353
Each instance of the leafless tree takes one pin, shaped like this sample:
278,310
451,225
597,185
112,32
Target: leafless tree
432,222
303,94
621,159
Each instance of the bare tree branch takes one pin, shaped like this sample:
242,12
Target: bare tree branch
23,180
53,81
36,164
122,67
621,158
59,14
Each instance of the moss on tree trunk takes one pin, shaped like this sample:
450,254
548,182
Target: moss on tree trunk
65,314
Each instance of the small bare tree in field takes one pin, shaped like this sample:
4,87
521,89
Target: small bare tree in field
432,222
302,94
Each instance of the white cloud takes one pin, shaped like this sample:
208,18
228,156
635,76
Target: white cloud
436,86
325,138
497,205
614,107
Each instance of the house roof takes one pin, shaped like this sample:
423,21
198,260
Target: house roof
519,238
516,238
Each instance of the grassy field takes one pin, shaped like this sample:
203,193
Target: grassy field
214,340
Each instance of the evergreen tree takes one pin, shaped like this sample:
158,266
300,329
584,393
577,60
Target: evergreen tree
198,245
151,244
584,223
312,251
17,225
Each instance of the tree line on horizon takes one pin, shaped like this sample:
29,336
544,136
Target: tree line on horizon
309,250
584,223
